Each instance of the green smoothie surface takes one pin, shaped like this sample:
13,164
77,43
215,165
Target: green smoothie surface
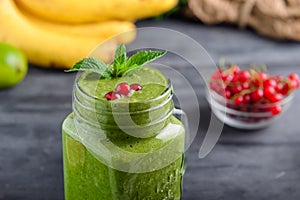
153,82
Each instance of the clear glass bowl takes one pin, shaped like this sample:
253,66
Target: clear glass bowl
246,116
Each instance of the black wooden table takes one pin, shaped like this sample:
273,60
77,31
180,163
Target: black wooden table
262,164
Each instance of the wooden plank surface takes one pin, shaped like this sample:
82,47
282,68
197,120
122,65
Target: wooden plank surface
263,164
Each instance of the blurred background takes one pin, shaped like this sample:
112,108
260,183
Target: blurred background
40,38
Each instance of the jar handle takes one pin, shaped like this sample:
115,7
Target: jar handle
182,116
211,138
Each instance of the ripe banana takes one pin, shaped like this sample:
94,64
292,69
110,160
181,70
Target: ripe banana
78,11
49,46
124,29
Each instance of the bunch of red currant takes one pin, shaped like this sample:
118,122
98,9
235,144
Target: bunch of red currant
123,90
250,87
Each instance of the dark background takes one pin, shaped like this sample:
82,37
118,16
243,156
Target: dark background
262,164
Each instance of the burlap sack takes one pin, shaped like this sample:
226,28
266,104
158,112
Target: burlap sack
275,18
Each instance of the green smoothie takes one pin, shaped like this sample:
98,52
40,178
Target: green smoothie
128,148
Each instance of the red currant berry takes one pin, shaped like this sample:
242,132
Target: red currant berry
276,98
246,85
235,78
217,75
279,87
123,88
227,94
246,99
136,87
111,96
285,89
229,78
276,110
257,95
238,100
219,88
269,92
270,82
224,76
212,85
255,83
244,75
294,84
294,76
236,89
263,76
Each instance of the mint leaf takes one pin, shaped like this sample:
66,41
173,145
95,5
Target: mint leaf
141,58
94,65
119,62
133,69
121,66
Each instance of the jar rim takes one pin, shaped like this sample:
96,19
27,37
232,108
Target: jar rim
93,98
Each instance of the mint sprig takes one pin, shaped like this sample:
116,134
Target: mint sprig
120,60
121,65
94,65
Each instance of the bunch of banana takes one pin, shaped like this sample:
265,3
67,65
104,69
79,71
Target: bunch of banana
57,33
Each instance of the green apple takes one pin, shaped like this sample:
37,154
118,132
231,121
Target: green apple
13,66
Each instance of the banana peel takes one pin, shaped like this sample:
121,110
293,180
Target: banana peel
78,11
104,29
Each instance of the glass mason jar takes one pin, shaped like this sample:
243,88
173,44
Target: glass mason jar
122,150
